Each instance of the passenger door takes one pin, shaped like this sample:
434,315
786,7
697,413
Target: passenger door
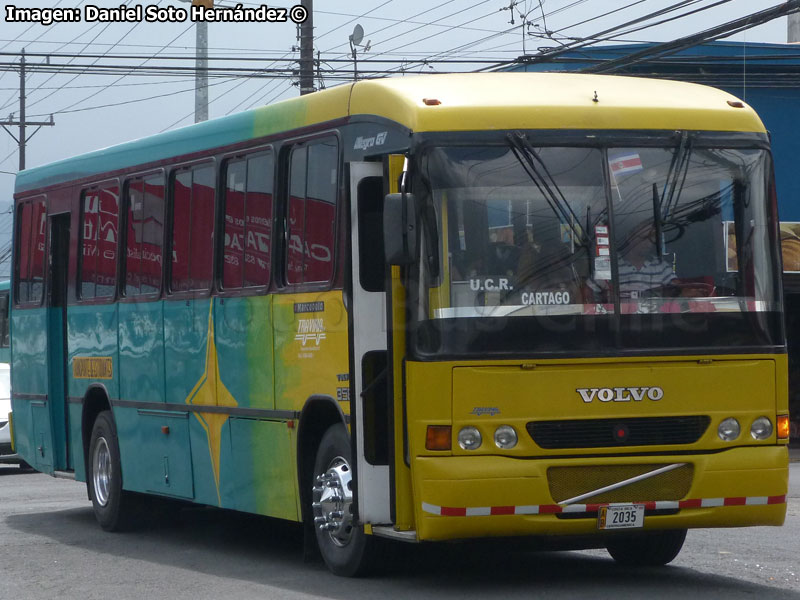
369,385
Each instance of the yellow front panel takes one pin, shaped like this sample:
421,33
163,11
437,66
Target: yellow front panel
722,483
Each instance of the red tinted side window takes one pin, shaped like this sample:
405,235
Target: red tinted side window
24,243
313,182
181,227
248,222
233,253
37,264
107,237
89,250
202,237
144,230
258,220
192,228
30,241
99,235
323,160
296,215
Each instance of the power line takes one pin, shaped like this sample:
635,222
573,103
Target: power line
73,79
724,30
547,55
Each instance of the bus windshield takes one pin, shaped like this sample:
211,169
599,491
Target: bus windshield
563,233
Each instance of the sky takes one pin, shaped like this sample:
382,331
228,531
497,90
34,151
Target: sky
93,111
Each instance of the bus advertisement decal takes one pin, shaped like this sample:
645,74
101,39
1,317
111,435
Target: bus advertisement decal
92,367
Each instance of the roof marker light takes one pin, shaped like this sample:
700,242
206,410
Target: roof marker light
431,102
735,103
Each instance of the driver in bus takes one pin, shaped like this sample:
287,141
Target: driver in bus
642,268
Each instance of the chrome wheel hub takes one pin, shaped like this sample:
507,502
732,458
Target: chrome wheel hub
101,471
333,501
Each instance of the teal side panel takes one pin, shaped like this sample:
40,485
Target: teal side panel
92,331
23,429
29,358
76,441
191,380
141,351
243,331
264,481
56,387
141,379
186,326
155,460
28,377
168,460
42,437
135,454
204,455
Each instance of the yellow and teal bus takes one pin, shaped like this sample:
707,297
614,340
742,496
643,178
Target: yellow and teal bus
421,308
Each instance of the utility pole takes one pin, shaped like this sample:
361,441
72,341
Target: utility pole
201,73
307,49
10,122
201,64
794,28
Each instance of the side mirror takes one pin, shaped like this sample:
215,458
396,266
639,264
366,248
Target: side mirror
400,229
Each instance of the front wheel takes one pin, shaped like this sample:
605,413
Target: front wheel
113,507
651,549
342,542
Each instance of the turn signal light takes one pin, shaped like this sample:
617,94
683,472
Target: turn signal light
438,437
783,427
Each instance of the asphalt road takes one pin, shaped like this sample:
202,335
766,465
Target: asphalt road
51,547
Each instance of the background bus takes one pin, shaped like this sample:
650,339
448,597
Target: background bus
7,453
207,315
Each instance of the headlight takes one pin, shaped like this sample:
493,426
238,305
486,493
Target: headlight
761,428
469,438
505,437
729,430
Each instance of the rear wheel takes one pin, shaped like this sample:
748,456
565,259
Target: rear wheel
342,542
651,549
113,507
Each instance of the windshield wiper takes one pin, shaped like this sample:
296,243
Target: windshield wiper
540,175
676,178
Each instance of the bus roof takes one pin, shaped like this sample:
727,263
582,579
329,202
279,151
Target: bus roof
467,101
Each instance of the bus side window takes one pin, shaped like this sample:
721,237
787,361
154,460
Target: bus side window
311,214
145,224
31,223
192,228
99,232
248,222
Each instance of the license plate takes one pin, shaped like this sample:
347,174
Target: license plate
628,516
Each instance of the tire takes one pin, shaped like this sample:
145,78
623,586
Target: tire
113,507
344,546
652,549
25,467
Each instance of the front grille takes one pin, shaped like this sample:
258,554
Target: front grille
611,433
571,482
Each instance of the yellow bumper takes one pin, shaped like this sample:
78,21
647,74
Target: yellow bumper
482,496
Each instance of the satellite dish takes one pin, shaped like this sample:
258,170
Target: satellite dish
358,35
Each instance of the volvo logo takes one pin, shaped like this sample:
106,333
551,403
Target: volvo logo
621,394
